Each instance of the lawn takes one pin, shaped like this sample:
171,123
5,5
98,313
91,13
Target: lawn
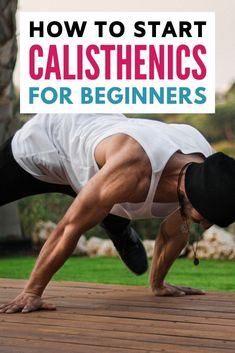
210,275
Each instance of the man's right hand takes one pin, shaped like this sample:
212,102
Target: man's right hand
25,303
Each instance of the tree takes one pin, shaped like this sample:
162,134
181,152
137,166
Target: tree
9,219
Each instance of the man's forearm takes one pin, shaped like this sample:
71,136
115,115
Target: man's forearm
167,249
54,253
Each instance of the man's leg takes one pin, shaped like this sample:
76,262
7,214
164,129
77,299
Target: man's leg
16,183
127,243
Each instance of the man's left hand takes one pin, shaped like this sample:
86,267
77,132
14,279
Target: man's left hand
176,291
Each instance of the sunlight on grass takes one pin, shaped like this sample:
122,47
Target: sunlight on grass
209,275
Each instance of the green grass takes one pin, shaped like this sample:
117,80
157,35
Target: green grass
210,275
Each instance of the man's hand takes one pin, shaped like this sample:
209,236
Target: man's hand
171,290
25,303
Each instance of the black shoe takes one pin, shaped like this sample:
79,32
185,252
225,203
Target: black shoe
130,249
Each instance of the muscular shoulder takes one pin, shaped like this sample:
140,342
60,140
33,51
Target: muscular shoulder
122,149
127,163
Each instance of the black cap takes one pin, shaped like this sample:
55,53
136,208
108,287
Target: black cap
210,187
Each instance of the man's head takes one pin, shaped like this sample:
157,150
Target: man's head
210,189
190,213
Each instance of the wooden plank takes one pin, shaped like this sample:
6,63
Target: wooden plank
109,338
133,326
148,311
19,345
154,302
111,315
35,346
109,318
22,345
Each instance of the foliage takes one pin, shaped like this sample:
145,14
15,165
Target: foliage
225,147
225,121
210,274
42,207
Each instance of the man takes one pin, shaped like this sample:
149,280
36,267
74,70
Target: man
129,168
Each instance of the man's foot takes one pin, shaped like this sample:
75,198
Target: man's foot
130,249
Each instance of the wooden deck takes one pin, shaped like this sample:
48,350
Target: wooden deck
95,318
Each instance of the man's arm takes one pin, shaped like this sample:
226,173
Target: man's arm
169,243
109,186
